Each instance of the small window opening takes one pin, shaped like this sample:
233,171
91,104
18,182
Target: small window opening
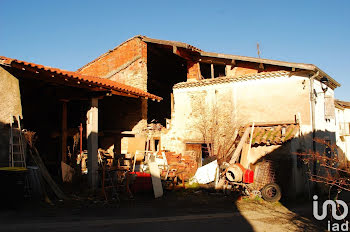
219,70
205,70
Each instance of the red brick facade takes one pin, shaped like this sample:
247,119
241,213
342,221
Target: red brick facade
126,63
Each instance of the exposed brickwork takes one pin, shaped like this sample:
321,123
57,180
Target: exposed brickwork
126,64
193,70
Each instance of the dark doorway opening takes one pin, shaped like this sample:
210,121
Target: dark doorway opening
165,69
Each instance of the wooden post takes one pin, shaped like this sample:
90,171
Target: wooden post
64,132
92,142
250,143
171,104
81,139
212,70
117,147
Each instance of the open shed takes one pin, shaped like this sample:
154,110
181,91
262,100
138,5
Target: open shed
55,103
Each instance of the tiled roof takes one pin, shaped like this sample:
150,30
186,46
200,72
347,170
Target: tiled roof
221,80
273,135
341,104
79,78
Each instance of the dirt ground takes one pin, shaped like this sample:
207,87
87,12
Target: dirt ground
264,216
176,210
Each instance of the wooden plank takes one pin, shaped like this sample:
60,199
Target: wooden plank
155,174
240,145
250,141
45,173
275,123
172,103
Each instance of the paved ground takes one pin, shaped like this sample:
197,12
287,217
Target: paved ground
177,211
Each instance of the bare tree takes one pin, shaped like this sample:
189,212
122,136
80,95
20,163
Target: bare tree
218,127
329,170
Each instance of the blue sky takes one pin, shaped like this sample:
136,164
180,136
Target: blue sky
69,34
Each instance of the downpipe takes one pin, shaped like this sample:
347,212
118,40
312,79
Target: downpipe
313,99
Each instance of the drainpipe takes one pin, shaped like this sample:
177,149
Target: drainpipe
312,99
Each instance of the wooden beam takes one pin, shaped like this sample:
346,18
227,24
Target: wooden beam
45,173
175,50
172,103
64,132
250,143
235,155
123,94
213,60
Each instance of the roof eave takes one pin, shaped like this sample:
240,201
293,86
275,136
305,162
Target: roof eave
308,67
93,81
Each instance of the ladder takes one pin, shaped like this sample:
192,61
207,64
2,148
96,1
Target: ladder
16,148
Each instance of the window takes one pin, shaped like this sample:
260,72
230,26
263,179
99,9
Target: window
219,70
329,109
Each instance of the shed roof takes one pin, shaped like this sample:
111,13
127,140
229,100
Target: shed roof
79,79
341,104
274,135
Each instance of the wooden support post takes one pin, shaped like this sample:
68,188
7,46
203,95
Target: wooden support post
81,139
172,104
117,147
212,70
250,144
92,142
64,132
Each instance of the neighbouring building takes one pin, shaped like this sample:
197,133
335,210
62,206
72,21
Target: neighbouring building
342,112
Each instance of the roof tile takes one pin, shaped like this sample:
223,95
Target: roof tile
100,82
227,79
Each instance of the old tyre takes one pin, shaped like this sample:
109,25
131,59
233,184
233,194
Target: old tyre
271,192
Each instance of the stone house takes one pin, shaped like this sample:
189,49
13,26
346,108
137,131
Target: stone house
158,65
278,103
275,95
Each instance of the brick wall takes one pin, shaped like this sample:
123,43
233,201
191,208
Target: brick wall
193,70
127,64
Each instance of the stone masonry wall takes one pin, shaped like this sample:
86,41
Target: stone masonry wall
10,105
